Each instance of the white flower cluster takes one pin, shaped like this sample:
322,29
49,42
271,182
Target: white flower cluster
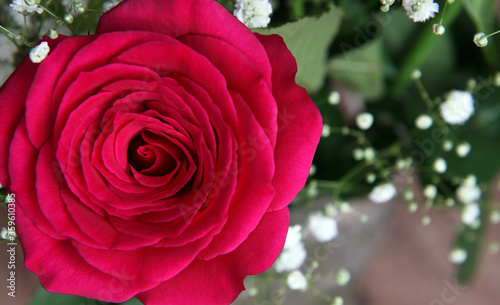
382,193
253,13
294,253
322,227
21,7
469,193
38,53
420,10
458,107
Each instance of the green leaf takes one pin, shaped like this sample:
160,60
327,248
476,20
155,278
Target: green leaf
482,13
43,297
309,39
361,69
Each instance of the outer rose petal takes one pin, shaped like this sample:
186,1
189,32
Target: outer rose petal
12,96
61,269
220,280
299,124
177,18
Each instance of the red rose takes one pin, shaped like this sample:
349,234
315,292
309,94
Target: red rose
157,157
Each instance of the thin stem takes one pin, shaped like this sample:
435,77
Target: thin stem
8,34
49,12
494,33
444,11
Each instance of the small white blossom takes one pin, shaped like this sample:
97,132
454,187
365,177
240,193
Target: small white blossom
430,191
463,149
326,131
457,256
440,165
371,177
421,10
369,154
468,192
364,120
438,29
293,237
331,210
382,193
8,233
322,227
342,277
447,145
423,122
334,98
358,154
416,74
457,108
426,220
312,170
291,258
470,213
21,7
10,198
296,280
39,52
480,40
253,13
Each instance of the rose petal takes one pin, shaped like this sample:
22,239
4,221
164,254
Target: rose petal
69,273
299,124
220,280
177,18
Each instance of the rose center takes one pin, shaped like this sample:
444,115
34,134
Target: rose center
152,155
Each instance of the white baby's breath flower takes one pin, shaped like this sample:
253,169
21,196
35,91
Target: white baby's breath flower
420,10
364,120
291,258
447,145
423,122
470,213
468,192
457,256
430,191
369,154
334,98
463,149
253,13
322,227
342,277
21,7
296,280
382,193
458,107
293,237
440,165
38,53
326,131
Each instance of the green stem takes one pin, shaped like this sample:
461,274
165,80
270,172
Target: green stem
423,46
49,12
8,34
